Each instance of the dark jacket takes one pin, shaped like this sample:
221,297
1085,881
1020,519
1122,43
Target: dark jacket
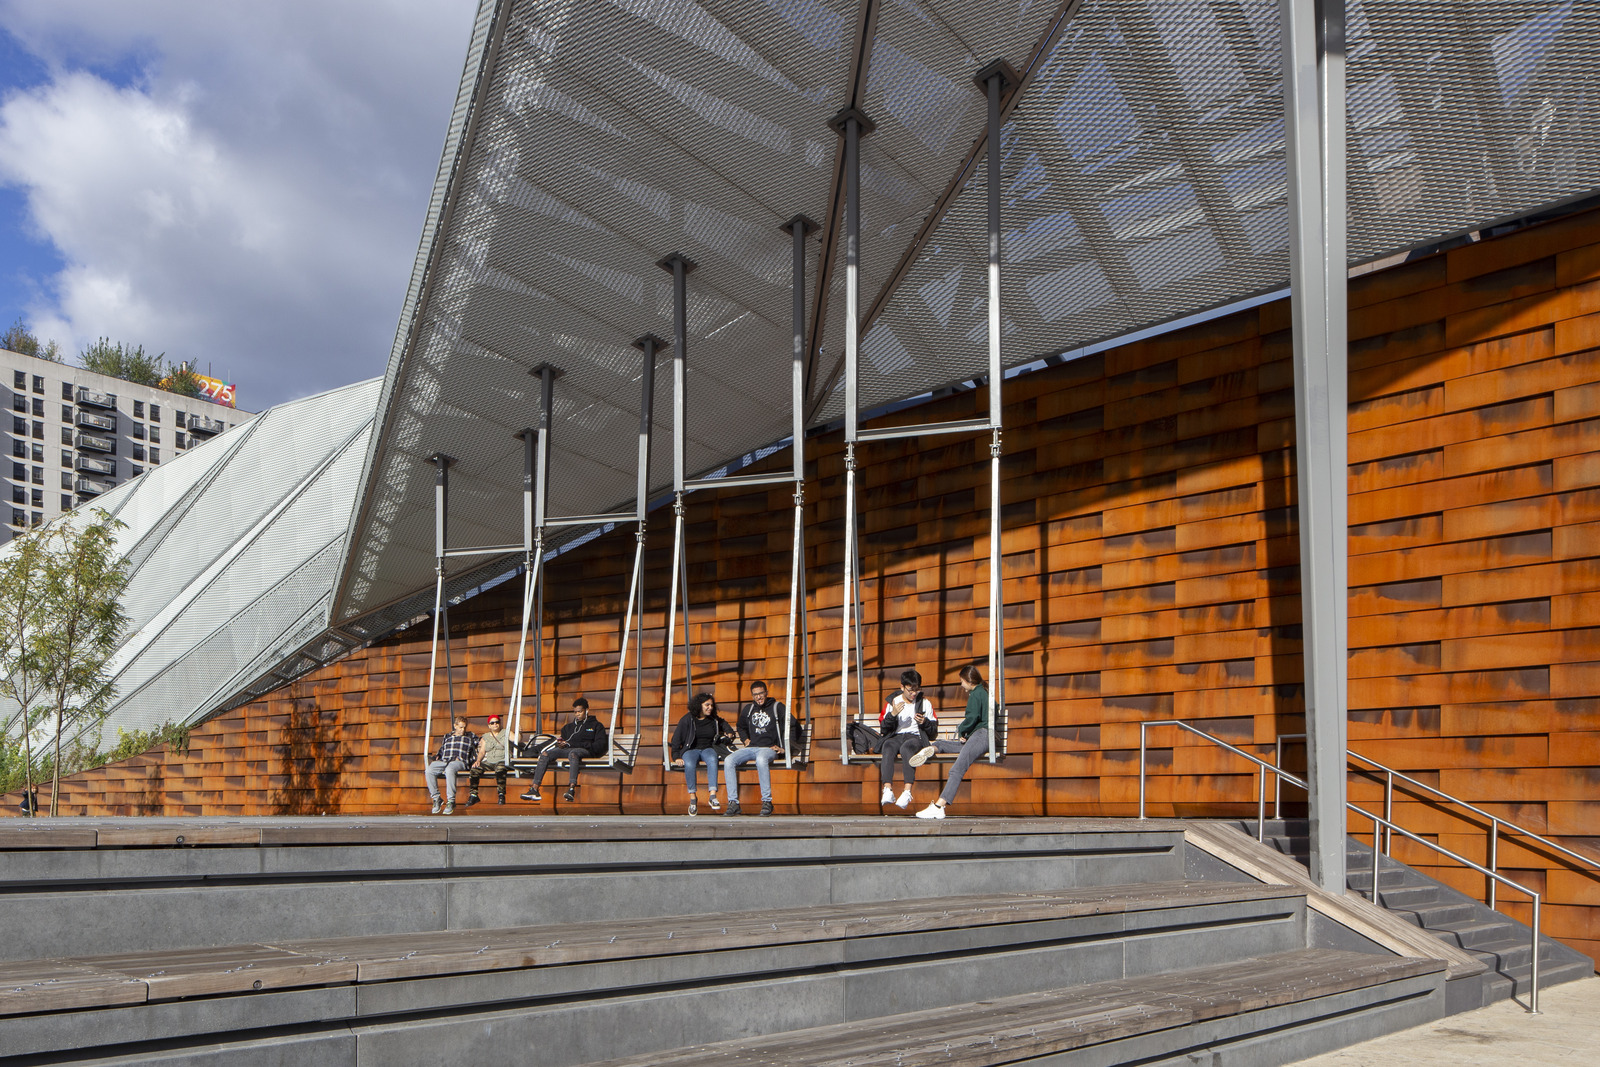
889,721
588,734
683,733
762,725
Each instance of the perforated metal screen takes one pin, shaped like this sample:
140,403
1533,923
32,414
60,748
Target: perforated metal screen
1144,181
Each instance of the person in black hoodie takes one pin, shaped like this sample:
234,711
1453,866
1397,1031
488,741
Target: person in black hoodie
760,729
694,742
908,724
583,738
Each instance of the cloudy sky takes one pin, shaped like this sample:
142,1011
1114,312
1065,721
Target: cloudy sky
241,185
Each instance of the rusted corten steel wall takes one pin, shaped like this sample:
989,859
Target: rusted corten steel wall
1151,571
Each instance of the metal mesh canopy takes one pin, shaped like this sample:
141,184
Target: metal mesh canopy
1143,165
233,548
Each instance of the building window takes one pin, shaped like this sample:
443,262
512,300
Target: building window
66,390
19,403
38,476
18,518
38,498
66,458
136,430
155,435
19,472
66,413
137,470
138,409
19,449
19,495
38,406
138,452
66,479
155,455
38,429
38,518
38,383
181,442
38,453
66,501
19,426
155,412
66,435
19,379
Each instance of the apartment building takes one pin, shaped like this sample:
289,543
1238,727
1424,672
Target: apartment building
75,434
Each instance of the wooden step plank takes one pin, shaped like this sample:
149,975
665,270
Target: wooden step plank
1238,849
230,969
29,986
1012,1029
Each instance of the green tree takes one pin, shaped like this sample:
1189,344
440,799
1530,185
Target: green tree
128,362
22,568
82,620
21,339
181,380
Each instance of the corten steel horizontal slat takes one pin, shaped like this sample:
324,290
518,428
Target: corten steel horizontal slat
1143,162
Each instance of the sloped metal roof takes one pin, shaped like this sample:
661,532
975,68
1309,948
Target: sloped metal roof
1143,157
233,548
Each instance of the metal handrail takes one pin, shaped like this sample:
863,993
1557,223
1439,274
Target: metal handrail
1496,823
1389,829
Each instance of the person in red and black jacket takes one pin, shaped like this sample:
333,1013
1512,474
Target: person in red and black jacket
908,724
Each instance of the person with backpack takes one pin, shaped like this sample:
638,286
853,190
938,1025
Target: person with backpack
760,729
972,741
694,742
585,737
908,725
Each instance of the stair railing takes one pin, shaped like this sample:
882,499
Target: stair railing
1497,826
1382,827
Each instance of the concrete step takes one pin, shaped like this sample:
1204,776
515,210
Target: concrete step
1263,1011
565,993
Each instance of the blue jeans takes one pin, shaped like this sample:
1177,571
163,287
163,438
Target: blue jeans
449,770
763,756
691,763
975,747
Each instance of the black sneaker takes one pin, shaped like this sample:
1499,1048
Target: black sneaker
532,794
766,807
733,808
569,794
473,799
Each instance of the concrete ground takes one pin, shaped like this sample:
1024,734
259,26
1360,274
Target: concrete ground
1567,1031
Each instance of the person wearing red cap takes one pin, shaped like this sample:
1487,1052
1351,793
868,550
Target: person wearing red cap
492,758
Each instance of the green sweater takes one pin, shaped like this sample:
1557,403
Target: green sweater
977,716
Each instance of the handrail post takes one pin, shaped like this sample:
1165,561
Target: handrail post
1277,779
1375,834
1141,769
1261,803
1494,858
1388,812
1533,974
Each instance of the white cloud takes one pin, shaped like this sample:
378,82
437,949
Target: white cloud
251,196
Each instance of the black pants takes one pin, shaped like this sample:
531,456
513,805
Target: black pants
499,772
573,756
902,746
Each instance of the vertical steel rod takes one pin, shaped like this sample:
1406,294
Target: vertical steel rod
798,227
1261,803
672,615
1314,112
1376,830
1388,812
1533,976
852,342
1141,769
997,655
530,578
541,497
1494,857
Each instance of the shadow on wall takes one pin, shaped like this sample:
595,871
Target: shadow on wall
311,763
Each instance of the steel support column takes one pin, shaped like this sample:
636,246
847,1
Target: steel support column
1314,113
851,124
679,267
797,227
633,614
441,616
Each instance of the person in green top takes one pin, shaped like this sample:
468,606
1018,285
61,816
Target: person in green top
972,741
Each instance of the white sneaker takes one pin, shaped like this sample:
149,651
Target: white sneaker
905,799
922,756
888,795
932,811
437,804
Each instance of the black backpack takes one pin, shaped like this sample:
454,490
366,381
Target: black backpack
864,740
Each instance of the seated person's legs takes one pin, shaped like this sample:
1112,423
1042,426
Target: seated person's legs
764,758
435,769
730,774
547,757
575,758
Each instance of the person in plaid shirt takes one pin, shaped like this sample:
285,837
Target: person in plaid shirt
456,753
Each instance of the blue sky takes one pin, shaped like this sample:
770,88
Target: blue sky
238,185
